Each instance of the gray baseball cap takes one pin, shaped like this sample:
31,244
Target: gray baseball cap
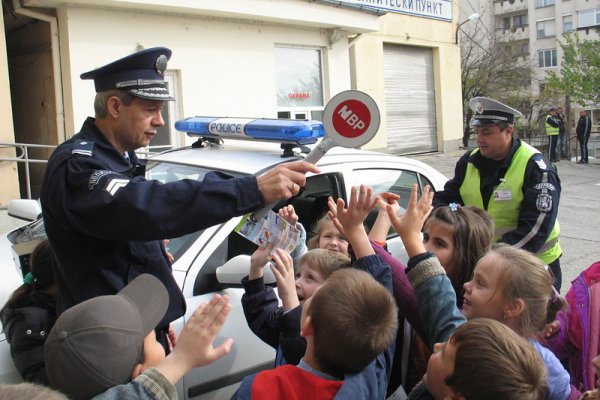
95,345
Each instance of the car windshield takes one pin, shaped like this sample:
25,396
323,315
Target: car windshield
169,172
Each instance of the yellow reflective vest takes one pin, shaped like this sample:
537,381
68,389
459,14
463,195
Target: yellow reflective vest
505,204
551,130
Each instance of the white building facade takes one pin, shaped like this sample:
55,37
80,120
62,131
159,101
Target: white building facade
238,58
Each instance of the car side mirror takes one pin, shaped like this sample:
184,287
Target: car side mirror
232,272
26,209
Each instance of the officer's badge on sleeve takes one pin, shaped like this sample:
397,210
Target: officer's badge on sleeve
96,176
544,202
112,185
83,147
115,184
541,163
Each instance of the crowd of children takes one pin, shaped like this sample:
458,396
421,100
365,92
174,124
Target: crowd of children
465,319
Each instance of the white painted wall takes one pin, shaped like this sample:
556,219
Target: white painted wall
227,67
8,170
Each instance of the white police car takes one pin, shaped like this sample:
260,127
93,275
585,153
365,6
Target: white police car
215,259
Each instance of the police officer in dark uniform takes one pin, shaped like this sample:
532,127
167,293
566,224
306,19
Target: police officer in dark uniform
105,221
512,181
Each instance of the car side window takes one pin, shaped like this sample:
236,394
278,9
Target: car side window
311,203
388,180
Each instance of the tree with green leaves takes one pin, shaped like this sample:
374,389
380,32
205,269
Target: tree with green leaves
579,76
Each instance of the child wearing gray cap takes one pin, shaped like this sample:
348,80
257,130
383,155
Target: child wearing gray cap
98,346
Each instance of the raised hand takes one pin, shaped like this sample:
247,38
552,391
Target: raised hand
410,224
195,344
350,220
381,226
282,266
259,260
288,213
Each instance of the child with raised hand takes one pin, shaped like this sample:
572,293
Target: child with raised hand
458,236
279,326
29,314
106,347
349,324
372,382
509,285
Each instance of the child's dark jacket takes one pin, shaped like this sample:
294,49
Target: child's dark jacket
370,383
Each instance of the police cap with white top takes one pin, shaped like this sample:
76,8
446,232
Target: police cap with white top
142,74
490,112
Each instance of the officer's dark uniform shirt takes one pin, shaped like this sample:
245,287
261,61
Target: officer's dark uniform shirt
491,173
106,225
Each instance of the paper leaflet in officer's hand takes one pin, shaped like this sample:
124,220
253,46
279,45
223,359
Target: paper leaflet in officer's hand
270,229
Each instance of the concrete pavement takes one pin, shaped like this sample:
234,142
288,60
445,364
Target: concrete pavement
578,212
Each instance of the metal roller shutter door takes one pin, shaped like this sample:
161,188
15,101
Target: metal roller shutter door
409,99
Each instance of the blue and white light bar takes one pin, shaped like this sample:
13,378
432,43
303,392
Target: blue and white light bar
273,130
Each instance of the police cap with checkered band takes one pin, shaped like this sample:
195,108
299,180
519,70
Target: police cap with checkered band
142,74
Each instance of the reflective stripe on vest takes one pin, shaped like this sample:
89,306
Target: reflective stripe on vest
505,204
551,130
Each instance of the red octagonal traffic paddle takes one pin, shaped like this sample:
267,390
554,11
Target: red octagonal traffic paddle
351,119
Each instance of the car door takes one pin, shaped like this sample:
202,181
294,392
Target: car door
212,249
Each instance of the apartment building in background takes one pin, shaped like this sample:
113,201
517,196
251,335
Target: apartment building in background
537,26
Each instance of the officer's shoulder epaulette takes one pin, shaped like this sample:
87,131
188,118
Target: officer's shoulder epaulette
83,147
541,161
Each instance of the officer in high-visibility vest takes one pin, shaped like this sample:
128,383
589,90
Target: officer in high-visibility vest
553,124
512,181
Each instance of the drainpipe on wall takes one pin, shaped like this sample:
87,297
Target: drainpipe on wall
58,92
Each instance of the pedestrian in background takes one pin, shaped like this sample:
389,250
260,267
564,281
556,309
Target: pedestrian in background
562,148
584,127
553,131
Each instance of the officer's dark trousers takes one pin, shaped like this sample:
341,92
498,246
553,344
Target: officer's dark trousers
557,273
553,142
583,143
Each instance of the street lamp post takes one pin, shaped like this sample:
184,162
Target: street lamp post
469,18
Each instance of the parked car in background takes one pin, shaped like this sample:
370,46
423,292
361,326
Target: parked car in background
215,259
